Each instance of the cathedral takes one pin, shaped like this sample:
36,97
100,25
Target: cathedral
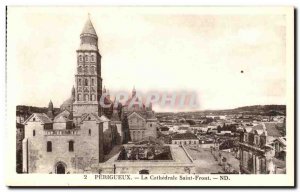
77,139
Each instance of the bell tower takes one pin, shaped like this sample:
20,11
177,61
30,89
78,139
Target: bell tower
88,81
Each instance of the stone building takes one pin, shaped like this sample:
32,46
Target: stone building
19,154
150,157
257,150
185,139
141,119
76,139
88,81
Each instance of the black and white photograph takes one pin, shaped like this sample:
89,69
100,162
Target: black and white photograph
146,96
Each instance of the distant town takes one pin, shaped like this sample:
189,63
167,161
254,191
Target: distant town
229,138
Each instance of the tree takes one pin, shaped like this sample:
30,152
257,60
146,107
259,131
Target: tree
219,128
125,128
191,122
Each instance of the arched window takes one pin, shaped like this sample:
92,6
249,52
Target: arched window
79,69
49,146
86,58
33,132
92,69
86,97
79,97
133,135
86,69
79,82
93,97
93,58
33,119
71,146
92,82
80,57
86,82
90,132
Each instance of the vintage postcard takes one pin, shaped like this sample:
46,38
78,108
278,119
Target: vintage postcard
150,96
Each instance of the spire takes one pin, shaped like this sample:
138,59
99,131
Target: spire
104,90
50,106
73,91
50,110
133,91
115,115
88,28
116,103
150,106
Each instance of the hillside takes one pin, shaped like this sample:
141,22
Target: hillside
267,110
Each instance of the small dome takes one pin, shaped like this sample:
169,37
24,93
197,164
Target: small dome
67,104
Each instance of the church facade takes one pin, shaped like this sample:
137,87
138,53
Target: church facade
141,118
77,139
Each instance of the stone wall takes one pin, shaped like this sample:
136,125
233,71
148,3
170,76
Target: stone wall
152,168
186,142
19,139
88,148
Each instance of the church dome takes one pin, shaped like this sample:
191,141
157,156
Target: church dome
67,104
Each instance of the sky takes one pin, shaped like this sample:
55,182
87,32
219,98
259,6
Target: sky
229,60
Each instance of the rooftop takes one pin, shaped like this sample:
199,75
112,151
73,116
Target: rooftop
89,28
184,136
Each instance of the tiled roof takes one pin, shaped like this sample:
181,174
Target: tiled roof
272,130
150,115
259,129
89,28
147,115
138,113
115,117
65,113
98,119
134,103
281,140
95,116
103,118
184,136
61,119
43,117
